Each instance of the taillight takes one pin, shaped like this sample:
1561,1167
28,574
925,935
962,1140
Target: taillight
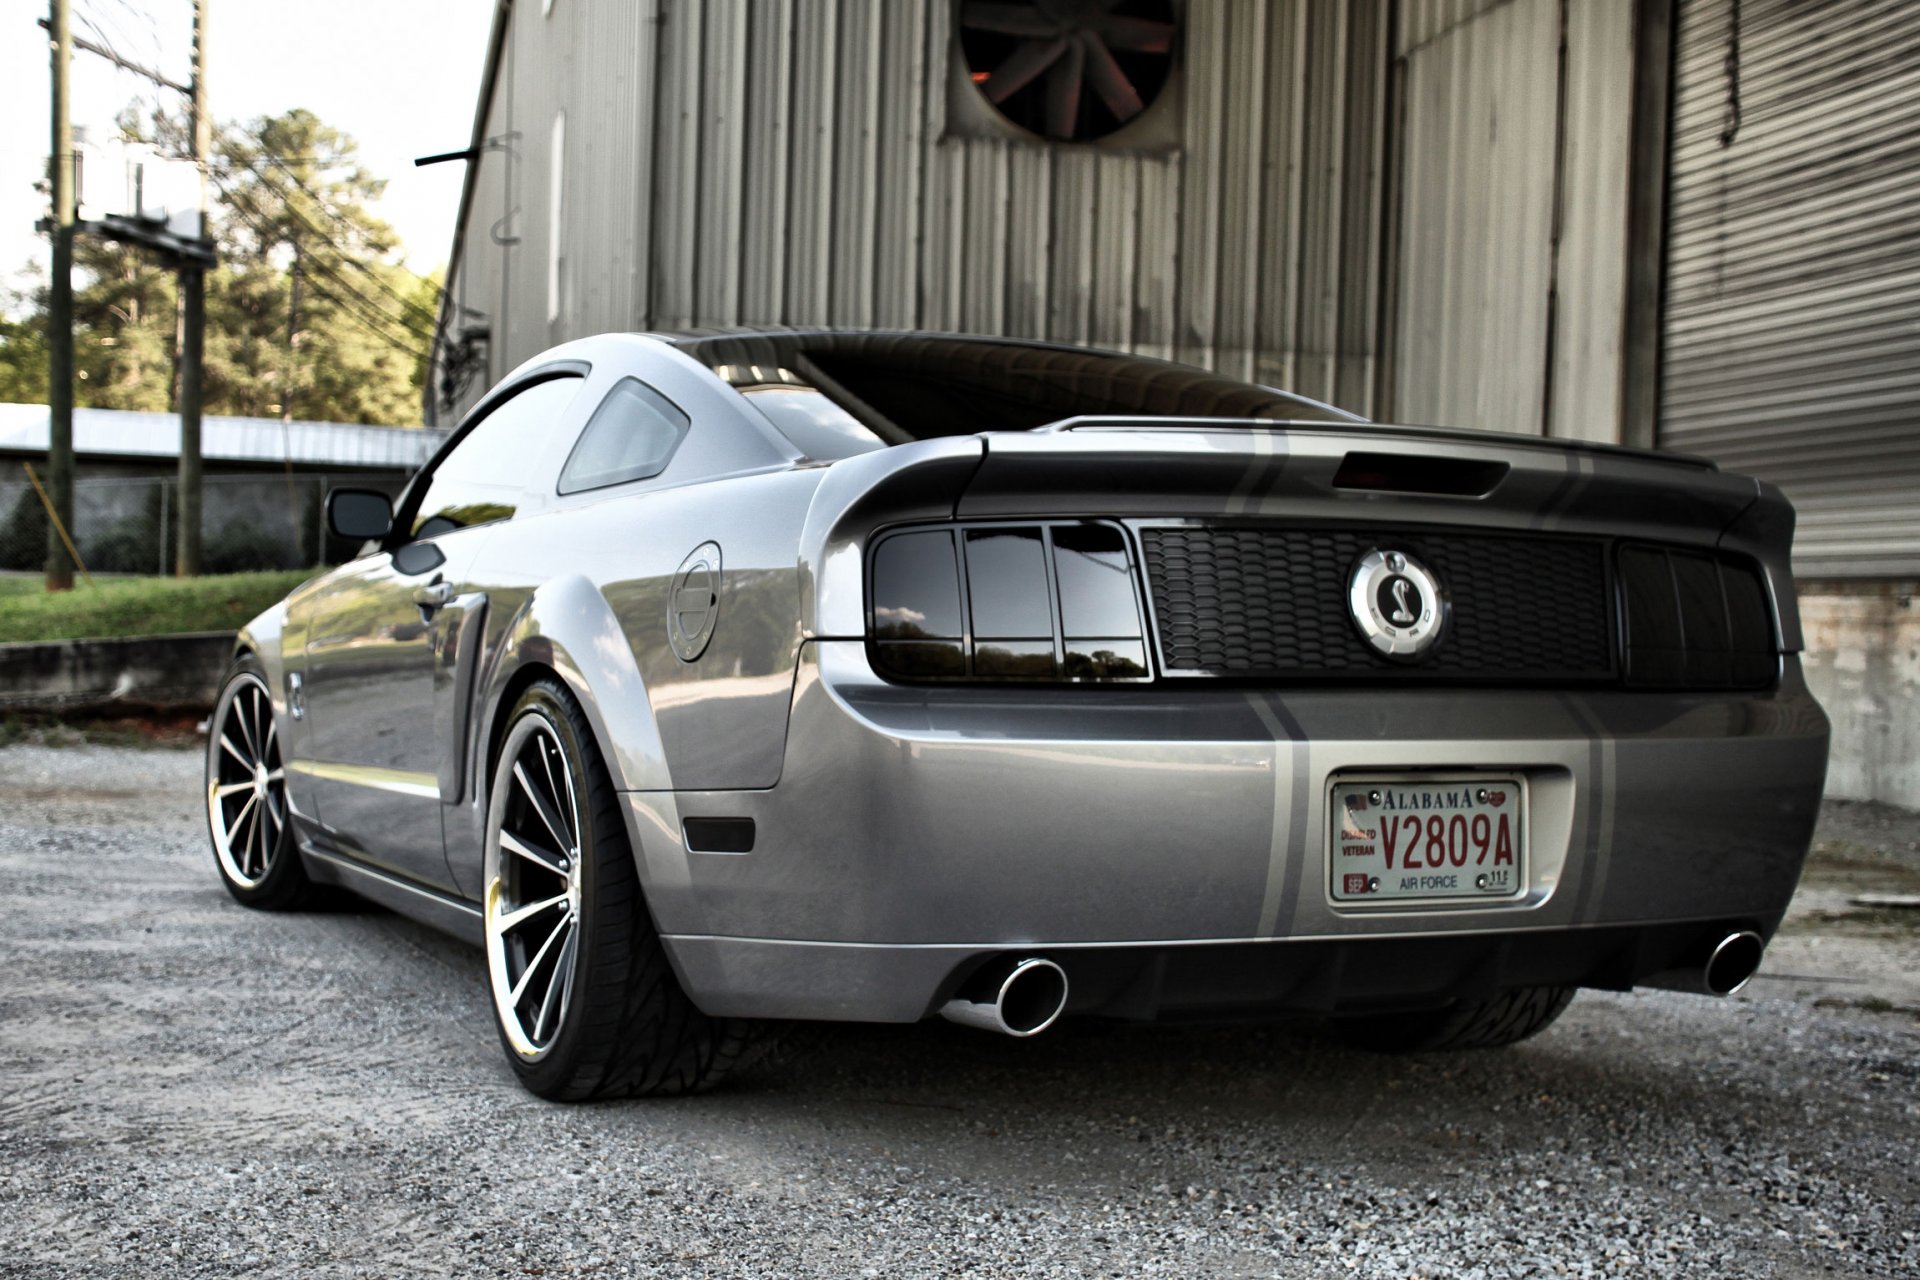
1695,619
1052,601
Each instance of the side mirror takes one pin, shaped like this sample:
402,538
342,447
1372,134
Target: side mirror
359,515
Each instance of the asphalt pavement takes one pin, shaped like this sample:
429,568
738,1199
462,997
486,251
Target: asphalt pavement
188,1088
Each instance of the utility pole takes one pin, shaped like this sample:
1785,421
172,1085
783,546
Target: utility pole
60,312
194,258
193,299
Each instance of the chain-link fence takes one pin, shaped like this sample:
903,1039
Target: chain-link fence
130,524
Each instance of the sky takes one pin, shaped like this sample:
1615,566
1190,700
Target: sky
401,76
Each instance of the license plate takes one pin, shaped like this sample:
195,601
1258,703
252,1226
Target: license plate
1433,838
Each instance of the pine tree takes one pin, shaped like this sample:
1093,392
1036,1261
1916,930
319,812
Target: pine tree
290,197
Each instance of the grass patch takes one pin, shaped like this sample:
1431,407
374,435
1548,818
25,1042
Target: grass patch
33,584
140,606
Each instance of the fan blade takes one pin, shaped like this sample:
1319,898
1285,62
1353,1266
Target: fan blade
1134,35
1007,20
1063,92
1109,81
1018,71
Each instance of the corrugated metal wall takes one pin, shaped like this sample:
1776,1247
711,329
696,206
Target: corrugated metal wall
1511,216
789,161
1590,261
1476,213
1793,292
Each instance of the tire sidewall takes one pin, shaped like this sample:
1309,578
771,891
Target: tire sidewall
285,878
562,1059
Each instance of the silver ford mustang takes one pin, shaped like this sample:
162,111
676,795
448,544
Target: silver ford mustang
715,681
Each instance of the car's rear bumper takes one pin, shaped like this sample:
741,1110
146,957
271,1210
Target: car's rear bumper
1168,845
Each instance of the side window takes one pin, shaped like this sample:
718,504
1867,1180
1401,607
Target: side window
631,436
484,476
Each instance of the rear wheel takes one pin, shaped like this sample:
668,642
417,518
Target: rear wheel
1506,1019
586,1003
247,815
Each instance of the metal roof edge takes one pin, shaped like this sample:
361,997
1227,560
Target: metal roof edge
489,78
139,435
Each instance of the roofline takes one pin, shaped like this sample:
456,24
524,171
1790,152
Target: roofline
489,79
684,339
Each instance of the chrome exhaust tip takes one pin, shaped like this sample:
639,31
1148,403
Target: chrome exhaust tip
1019,1001
1718,967
1733,962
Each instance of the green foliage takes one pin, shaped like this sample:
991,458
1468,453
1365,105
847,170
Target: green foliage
291,202
23,535
128,545
241,546
123,328
143,606
294,197
424,300
23,352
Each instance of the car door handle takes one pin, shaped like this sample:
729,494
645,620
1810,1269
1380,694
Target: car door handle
432,597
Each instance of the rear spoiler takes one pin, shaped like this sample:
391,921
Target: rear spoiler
1458,435
1240,470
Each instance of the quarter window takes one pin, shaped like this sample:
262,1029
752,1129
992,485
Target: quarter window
632,436
482,479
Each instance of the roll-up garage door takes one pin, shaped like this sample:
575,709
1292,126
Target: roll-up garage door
1792,327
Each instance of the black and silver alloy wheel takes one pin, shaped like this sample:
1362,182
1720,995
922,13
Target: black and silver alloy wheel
248,818
533,890
585,998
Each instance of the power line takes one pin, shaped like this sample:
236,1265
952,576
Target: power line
413,313
102,24
98,34
374,327
281,162
321,263
408,304
420,321
145,17
411,353
252,214
123,63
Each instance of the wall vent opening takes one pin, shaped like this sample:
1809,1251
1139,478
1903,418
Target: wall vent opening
1069,70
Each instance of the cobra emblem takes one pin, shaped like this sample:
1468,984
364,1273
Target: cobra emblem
1400,609
1403,602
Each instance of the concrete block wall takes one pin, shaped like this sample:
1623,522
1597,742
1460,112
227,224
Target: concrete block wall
1863,663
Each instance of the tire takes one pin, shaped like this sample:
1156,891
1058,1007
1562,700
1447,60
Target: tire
1506,1019
248,822
584,999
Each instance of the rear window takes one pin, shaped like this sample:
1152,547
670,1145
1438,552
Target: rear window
815,425
838,394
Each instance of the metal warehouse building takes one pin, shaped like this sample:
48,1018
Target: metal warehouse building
1683,223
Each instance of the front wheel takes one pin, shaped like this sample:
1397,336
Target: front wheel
247,815
585,1001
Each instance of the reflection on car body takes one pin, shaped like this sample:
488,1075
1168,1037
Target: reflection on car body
721,680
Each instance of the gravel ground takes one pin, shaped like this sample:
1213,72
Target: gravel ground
195,1089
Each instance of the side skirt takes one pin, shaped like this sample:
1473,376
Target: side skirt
449,915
